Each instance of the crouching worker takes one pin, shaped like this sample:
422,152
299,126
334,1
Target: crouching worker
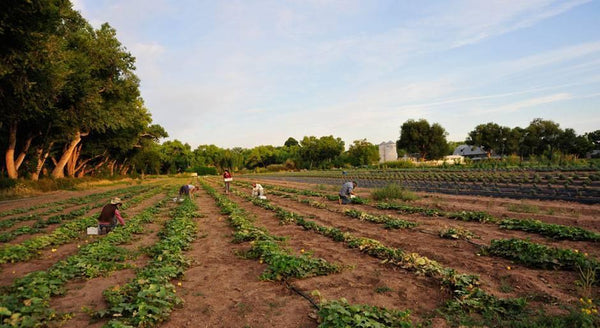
258,191
187,190
347,192
110,216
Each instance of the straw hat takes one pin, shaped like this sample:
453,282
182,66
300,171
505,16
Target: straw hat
115,201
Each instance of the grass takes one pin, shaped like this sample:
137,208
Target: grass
393,192
383,290
523,208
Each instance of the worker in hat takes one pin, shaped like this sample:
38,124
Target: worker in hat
110,216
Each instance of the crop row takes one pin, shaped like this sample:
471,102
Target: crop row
61,235
150,297
99,198
581,192
265,247
464,287
530,254
26,303
554,231
591,177
282,266
77,200
41,223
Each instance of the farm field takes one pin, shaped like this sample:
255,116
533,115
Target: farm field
580,185
232,261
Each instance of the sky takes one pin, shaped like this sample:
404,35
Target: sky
247,73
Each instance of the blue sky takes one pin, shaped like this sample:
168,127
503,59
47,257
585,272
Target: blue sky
248,73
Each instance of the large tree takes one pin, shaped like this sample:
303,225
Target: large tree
320,152
420,137
541,137
101,93
30,69
362,152
491,137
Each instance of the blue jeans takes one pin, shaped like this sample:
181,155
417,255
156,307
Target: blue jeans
345,199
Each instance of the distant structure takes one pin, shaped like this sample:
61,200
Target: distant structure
472,152
387,152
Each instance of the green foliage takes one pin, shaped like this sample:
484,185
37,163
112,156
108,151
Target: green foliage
420,137
6,183
393,192
400,164
341,314
149,299
472,216
539,256
457,233
554,231
388,221
362,152
204,170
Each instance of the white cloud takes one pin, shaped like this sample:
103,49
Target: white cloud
523,104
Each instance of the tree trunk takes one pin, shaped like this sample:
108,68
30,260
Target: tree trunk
24,151
111,167
59,170
11,168
80,170
72,162
41,159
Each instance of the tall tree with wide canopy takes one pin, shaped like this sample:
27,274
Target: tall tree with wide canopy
490,136
362,152
541,137
101,92
30,68
420,137
320,151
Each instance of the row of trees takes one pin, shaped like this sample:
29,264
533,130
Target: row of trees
541,138
308,153
417,138
69,99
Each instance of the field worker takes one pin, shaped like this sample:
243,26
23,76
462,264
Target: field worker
187,190
110,216
227,179
258,191
347,192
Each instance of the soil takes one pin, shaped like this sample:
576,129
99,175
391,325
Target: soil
223,289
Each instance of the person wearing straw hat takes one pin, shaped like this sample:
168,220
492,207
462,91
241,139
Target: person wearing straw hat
110,216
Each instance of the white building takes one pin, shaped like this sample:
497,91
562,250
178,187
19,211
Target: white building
387,152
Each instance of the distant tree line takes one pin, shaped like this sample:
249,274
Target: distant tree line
70,103
309,153
542,139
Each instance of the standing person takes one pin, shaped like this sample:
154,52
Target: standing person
258,191
227,179
187,190
347,192
110,216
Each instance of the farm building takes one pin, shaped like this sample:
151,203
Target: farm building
387,152
468,151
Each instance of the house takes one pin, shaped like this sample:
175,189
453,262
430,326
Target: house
472,152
